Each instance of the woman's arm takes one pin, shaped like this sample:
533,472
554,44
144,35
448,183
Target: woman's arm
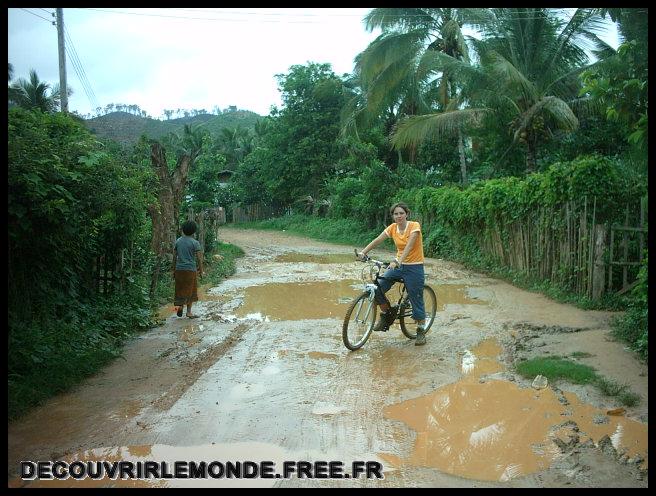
381,237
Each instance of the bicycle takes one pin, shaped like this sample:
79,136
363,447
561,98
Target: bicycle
361,314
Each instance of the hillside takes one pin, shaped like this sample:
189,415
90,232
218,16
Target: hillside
126,128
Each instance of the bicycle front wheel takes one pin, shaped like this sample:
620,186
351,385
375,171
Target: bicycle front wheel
359,321
405,315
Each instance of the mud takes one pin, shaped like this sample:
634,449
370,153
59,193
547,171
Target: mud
264,375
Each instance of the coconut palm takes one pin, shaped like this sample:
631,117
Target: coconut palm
529,63
36,94
398,72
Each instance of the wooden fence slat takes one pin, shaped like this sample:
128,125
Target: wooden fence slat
625,246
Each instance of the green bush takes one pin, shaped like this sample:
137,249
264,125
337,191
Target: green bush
633,326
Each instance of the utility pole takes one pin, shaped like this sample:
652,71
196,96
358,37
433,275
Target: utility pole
62,61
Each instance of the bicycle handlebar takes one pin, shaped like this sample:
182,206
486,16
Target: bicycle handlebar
366,258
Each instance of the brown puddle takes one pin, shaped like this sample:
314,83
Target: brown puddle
324,258
497,431
299,301
448,294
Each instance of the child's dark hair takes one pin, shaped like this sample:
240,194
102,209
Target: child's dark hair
189,227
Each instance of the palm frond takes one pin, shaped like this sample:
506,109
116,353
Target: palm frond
389,87
394,18
557,108
386,50
586,106
509,75
413,130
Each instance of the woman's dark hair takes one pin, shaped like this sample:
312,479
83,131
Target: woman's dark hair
397,205
189,227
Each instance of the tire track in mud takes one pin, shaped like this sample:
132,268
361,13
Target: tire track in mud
198,366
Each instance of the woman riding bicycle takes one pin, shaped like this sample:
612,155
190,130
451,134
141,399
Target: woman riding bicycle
408,265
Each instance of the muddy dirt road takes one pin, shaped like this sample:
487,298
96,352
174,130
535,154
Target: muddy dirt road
263,375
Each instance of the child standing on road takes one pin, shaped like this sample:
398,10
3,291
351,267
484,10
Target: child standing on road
185,271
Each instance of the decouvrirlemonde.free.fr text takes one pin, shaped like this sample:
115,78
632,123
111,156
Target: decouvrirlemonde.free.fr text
148,469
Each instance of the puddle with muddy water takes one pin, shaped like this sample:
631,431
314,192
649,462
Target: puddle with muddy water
299,301
325,299
453,294
495,430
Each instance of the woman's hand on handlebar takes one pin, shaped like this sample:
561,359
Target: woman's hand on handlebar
361,256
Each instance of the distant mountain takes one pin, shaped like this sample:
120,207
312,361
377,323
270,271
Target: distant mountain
126,128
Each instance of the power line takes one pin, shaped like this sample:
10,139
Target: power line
79,61
318,17
219,11
79,70
201,18
37,15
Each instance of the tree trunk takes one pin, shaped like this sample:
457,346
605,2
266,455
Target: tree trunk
599,272
463,161
531,162
165,213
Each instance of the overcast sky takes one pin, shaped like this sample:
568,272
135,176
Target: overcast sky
183,58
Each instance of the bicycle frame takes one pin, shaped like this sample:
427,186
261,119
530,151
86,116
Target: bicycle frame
372,287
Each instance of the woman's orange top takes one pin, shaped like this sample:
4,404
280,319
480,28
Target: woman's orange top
416,254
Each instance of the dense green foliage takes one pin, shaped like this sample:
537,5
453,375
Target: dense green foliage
633,325
69,202
73,200
495,202
297,154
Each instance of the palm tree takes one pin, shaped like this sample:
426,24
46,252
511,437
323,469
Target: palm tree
235,144
529,63
398,72
12,92
36,94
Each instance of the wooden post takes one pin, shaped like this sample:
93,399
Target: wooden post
200,221
63,96
610,259
591,267
625,246
598,272
642,226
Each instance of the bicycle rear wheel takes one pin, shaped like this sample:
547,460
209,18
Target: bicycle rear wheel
359,321
405,312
